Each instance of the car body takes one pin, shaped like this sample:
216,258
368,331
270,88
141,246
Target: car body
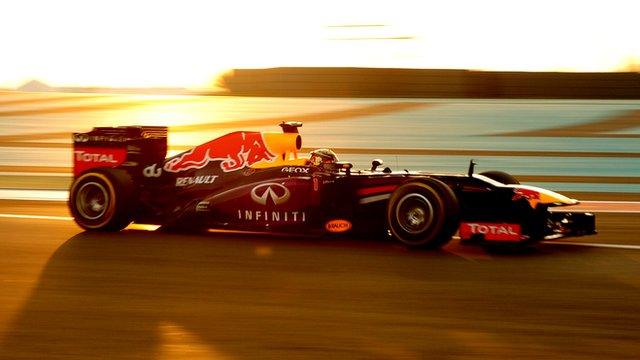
248,180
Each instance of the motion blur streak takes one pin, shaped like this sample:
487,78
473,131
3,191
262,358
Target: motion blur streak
438,135
177,343
605,246
39,217
602,128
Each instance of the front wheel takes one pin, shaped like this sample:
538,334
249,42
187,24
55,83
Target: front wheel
423,214
102,200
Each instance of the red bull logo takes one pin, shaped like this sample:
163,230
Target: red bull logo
532,196
235,151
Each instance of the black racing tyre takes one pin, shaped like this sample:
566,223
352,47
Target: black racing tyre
102,199
501,177
423,214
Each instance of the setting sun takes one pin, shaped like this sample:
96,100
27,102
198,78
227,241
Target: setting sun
188,43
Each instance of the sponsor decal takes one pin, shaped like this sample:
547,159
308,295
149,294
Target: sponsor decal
235,151
202,206
536,196
80,138
94,157
532,196
155,134
91,157
491,231
151,171
296,170
337,226
270,193
195,180
272,216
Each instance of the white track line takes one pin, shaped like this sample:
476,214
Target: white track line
39,217
42,174
595,245
620,207
34,195
610,202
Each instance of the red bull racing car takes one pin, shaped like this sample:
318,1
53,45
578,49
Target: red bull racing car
258,181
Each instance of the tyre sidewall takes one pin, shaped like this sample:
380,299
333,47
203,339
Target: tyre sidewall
438,215
118,188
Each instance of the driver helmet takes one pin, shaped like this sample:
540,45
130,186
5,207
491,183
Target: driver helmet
324,158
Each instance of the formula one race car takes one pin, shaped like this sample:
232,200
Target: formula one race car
257,181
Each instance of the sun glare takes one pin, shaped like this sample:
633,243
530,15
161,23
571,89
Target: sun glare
188,43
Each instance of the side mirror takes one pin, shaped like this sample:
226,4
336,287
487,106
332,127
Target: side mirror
375,163
472,165
346,166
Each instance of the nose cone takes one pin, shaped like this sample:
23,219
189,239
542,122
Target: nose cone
536,195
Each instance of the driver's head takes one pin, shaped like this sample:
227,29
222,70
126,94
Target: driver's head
324,158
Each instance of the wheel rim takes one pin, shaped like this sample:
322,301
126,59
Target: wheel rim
92,200
414,213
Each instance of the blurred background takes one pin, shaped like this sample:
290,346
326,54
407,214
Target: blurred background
189,43
548,91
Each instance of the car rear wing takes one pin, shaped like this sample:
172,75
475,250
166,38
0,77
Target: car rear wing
127,146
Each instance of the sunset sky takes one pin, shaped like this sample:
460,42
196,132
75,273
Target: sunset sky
187,43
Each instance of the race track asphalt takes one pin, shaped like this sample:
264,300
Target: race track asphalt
141,294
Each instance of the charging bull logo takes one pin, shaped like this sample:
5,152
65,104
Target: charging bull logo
532,196
236,151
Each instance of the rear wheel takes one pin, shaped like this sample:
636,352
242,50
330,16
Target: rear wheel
102,200
501,177
423,214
